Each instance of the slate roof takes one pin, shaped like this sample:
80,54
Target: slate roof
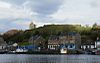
54,37
2,42
68,34
72,33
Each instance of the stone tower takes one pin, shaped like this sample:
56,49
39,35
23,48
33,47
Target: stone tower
32,26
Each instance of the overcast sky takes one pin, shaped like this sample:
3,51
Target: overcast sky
17,14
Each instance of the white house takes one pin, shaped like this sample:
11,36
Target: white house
97,43
90,46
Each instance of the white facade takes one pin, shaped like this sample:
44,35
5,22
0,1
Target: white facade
92,46
87,47
2,47
97,44
53,47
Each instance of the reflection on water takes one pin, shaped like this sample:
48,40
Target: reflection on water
13,58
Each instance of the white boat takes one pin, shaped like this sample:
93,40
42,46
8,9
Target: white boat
63,50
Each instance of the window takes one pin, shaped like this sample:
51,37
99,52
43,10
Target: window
71,46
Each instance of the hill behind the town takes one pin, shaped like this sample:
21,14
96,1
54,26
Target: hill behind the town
87,33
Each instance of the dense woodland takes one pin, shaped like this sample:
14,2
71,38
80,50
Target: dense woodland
87,33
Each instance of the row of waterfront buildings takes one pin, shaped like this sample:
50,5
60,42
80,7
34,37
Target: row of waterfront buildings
63,43
64,40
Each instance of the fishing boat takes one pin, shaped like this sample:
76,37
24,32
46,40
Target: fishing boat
63,51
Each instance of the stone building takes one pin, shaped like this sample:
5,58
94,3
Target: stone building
75,38
32,25
69,40
38,42
3,44
72,40
53,42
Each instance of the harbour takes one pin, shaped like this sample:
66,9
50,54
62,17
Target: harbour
29,58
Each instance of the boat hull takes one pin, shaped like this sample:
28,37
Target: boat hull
97,52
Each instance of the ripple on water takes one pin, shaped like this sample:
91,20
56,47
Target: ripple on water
24,58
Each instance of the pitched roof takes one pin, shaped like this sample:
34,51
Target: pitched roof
2,42
72,33
53,37
63,34
34,37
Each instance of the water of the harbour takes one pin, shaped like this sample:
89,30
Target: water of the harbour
25,58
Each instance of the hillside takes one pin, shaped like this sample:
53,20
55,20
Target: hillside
47,30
